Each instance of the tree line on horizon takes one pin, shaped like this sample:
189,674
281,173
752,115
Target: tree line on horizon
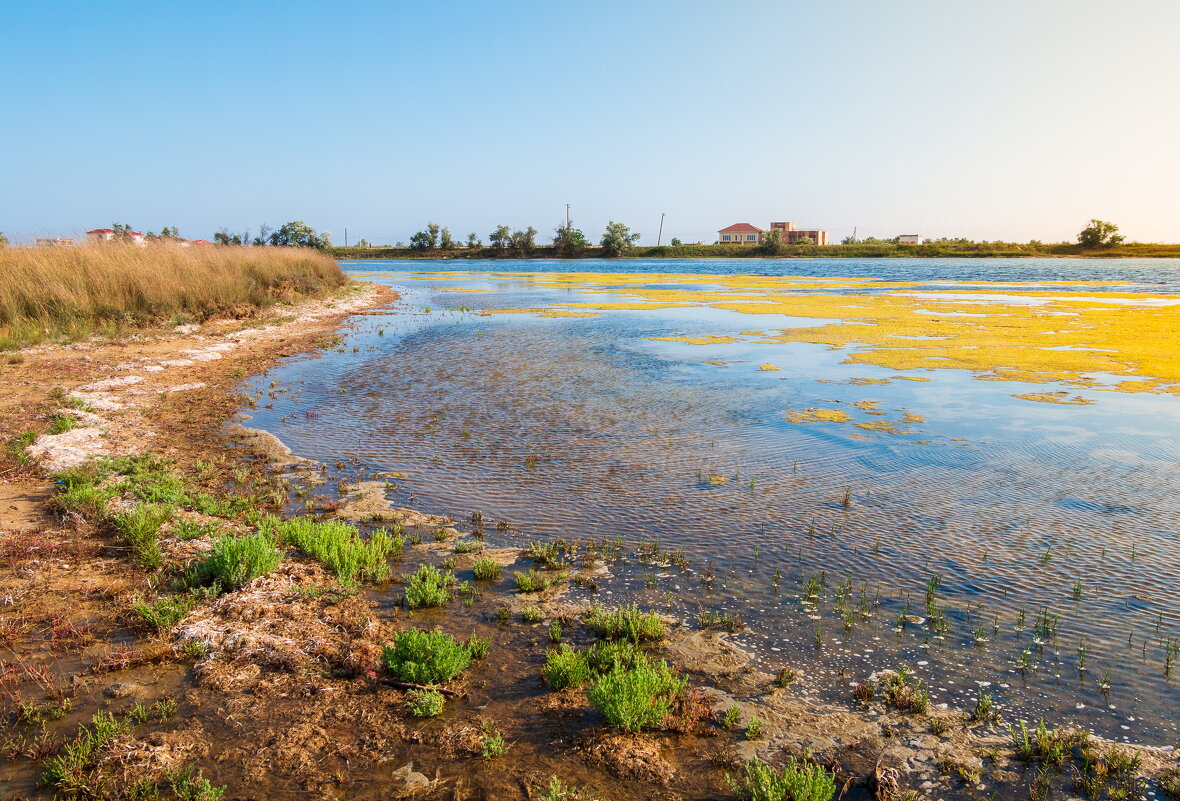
568,241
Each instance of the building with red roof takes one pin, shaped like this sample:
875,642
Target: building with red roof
108,235
746,234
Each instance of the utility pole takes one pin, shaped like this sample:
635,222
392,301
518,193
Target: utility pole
854,234
346,236
567,216
660,235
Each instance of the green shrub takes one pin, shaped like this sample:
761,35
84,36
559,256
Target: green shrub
557,791
625,623
487,568
236,561
426,657
794,781
903,695
566,667
339,546
531,614
637,698
164,613
139,528
532,581
1050,747
17,447
468,546
428,587
425,703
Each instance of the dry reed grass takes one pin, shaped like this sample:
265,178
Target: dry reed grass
64,294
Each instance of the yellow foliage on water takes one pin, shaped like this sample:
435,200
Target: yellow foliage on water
697,340
715,480
817,415
769,367
1056,397
866,404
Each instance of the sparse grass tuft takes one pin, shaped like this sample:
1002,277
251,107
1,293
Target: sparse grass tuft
903,695
625,623
164,613
139,528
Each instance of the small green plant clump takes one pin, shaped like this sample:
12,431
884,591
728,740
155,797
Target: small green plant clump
1048,747
566,666
532,581
468,546
904,695
66,771
637,698
556,790
486,569
166,612
531,615
754,729
139,527
426,657
236,561
794,781
625,623
491,743
425,703
428,587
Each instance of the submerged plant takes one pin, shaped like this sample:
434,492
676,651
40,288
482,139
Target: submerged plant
428,587
625,623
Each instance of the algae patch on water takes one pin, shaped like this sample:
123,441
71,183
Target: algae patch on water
817,415
1063,398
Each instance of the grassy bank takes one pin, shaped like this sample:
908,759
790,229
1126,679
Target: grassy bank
973,250
64,294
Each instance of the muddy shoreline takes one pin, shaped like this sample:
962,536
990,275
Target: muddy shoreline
276,689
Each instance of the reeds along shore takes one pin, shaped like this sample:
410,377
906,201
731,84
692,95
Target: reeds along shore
64,294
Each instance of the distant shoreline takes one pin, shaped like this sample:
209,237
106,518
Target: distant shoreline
981,250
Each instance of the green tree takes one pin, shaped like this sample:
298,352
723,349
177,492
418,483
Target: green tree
569,242
500,239
122,232
428,239
804,240
676,242
772,242
1100,234
617,239
473,241
298,234
444,239
524,242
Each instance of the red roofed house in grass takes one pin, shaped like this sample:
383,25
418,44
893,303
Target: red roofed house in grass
108,235
743,233
746,234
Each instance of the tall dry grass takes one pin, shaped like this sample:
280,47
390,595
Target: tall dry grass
65,294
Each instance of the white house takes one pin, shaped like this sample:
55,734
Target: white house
910,239
108,235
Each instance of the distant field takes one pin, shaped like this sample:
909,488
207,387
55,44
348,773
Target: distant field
64,294
976,250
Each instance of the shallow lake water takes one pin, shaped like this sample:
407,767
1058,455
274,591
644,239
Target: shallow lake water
964,466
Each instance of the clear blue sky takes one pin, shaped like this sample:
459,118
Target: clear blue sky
1013,119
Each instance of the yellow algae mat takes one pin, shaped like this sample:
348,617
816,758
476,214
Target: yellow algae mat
1059,331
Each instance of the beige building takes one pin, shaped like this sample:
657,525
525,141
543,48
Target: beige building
740,233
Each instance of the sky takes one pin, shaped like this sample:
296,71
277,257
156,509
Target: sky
1007,120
